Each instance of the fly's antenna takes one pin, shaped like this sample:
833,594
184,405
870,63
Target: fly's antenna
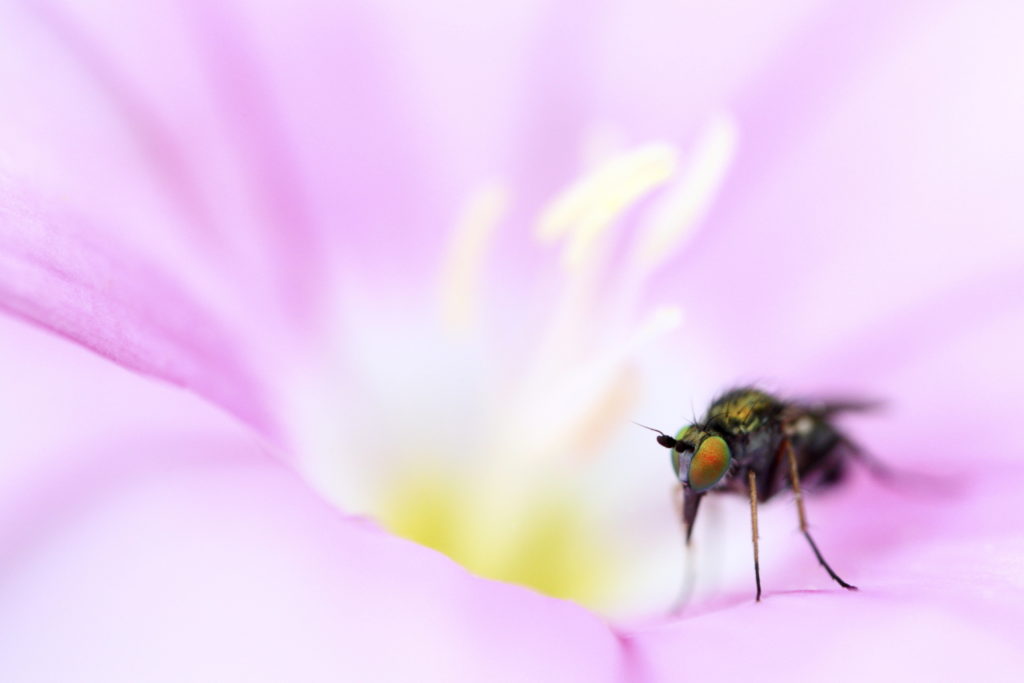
651,428
663,438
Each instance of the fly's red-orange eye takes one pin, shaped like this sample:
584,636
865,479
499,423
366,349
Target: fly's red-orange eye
709,464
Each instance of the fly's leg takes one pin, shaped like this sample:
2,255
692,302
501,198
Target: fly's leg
686,506
677,499
690,504
795,479
752,485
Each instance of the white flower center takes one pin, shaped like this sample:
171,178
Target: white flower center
494,450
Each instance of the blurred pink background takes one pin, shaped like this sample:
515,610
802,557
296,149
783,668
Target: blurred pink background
288,284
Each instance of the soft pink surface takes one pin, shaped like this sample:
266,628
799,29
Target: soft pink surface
181,183
54,273
198,559
941,582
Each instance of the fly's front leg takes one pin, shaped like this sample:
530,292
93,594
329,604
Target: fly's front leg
687,503
794,478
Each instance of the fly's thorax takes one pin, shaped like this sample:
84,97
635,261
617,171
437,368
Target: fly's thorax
760,444
743,411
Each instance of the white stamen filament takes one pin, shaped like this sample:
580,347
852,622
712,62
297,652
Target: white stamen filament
464,261
677,214
584,213
598,392
687,201
581,385
592,204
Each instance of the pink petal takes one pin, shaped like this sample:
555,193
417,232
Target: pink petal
176,549
55,274
206,561
276,138
941,595
876,173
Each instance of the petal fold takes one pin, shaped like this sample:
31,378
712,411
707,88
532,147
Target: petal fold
53,273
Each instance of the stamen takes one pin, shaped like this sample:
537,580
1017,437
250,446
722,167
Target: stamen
601,417
592,204
584,409
584,212
464,261
659,322
688,200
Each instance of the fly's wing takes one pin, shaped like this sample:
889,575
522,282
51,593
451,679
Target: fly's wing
826,409
823,410
821,450
821,447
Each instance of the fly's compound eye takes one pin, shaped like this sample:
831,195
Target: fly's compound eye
709,464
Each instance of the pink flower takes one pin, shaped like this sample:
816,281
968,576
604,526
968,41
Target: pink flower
425,263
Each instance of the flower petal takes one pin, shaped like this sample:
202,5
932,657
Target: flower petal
867,181
207,561
276,138
55,274
940,597
127,155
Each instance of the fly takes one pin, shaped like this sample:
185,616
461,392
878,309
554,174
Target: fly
755,444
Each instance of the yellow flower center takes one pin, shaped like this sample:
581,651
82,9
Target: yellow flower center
547,541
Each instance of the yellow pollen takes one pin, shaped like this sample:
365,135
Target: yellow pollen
464,262
549,543
517,511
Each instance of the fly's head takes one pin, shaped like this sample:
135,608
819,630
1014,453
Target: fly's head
699,459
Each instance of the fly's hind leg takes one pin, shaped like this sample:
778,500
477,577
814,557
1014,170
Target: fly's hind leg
794,478
752,486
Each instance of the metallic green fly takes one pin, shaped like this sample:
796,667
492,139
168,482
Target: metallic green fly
756,444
